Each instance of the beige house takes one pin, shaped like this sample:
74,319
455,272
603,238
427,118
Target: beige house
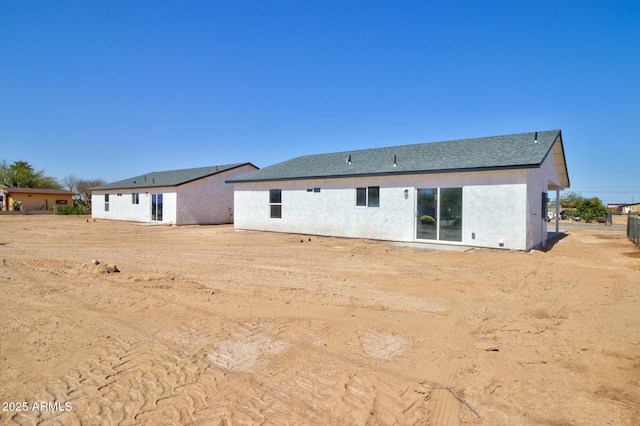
35,198
631,208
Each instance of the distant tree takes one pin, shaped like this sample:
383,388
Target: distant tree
570,200
83,189
590,209
21,174
70,183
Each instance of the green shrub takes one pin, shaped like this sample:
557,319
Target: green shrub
70,210
590,209
427,220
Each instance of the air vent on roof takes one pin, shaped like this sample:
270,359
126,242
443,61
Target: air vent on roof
395,163
349,159
535,140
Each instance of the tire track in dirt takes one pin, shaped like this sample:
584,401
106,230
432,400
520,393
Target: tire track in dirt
614,294
446,406
262,384
144,381
382,345
278,395
130,384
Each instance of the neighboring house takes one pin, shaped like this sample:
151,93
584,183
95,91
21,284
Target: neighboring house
182,197
484,192
633,208
616,208
32,199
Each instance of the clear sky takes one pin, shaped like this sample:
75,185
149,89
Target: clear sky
113,89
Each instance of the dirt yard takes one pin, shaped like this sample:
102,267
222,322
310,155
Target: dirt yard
204,325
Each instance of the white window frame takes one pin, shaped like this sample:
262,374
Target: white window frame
367,193
273,204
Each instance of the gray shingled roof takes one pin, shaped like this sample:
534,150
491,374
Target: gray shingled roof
497,152
167,178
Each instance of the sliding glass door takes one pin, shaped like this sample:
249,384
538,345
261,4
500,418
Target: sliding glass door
450,214
439,214
427,217
156,207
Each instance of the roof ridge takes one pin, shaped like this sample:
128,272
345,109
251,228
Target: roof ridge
429,143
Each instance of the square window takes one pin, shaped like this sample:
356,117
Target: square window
368,197
275,203
275,196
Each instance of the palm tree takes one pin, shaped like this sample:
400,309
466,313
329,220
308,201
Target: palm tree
21,174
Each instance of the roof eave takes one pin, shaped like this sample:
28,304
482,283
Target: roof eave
564,159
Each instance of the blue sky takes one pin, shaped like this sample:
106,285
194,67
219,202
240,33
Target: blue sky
113,89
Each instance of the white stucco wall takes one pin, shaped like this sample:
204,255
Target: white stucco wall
494,207
332,211
122,208
494,213
208,201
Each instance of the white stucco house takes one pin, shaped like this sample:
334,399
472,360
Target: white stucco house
180,197
483,192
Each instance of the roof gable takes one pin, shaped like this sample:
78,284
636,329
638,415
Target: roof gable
169,178
523,150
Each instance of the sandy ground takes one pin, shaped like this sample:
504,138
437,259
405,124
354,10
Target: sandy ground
208,326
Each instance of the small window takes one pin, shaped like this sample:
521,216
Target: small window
61,202
368,197
316,189
106,202
373,196
135,198
361,197
275,203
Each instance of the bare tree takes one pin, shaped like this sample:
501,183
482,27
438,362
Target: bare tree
81,188
70,183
